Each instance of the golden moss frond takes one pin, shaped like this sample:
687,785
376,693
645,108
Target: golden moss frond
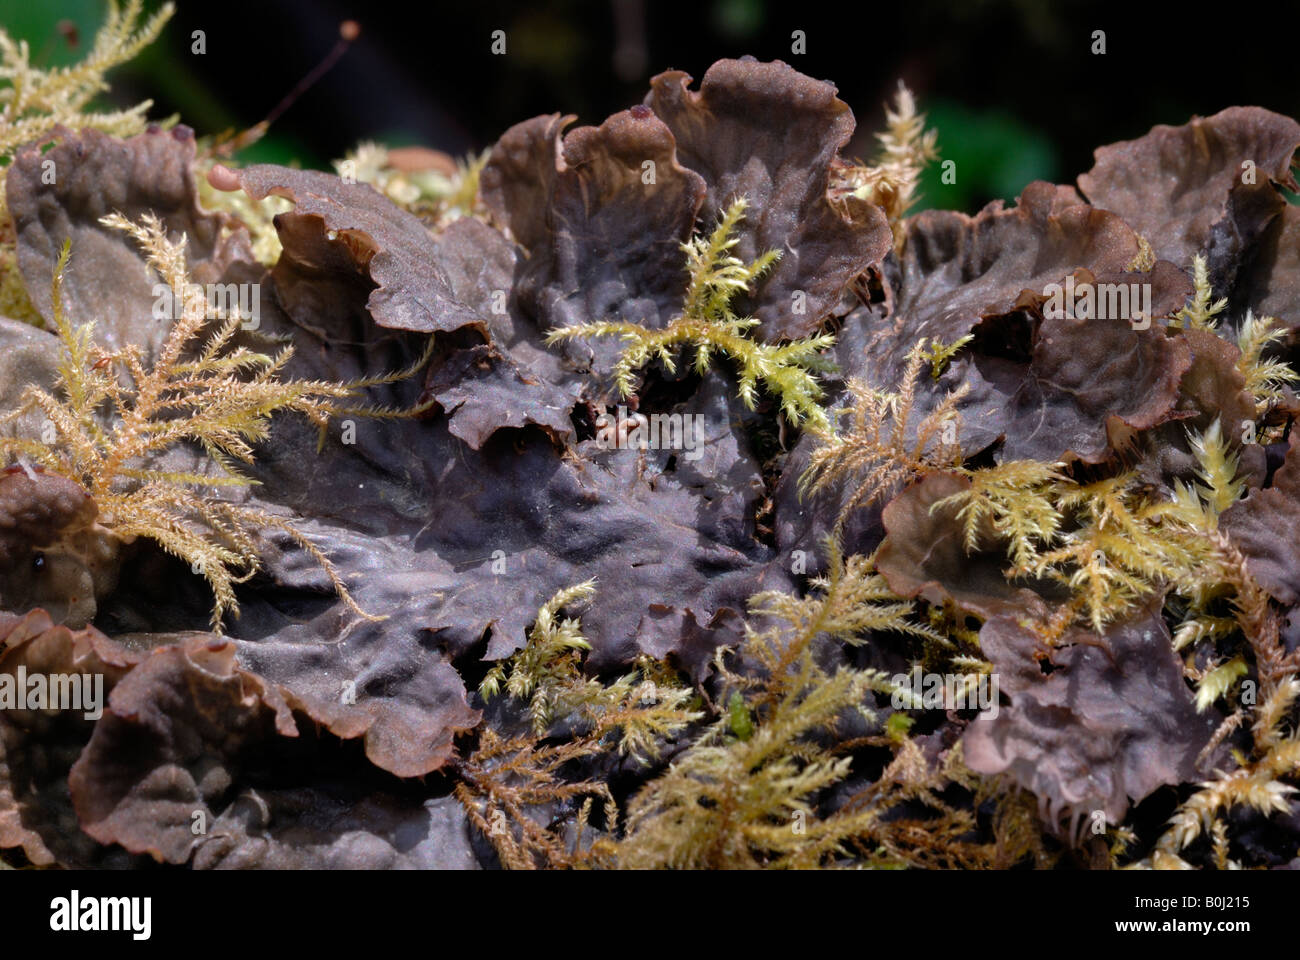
1217,682
1014,501
34,101
548,660
1017,827
1256,787
1111,542
114,413
748,792
457,195
1200,626
748,803
906,149
1257,781
1260,624
1198,507
715,275
1145,259
647,706
503,780
1200,313
1265,377
709,324
435,188
1220,487
1126,545
507,786
873,453
848,602
751,789
941,355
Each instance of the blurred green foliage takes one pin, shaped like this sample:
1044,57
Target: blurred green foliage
996,156
58,32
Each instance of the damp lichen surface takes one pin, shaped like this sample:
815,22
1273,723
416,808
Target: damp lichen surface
654,493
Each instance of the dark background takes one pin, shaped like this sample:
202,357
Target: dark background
1011,85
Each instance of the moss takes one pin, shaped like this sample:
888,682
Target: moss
116,412
35,101
708,324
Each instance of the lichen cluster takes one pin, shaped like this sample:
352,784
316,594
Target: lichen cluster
391,484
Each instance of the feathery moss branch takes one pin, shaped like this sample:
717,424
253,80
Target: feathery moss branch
437,194
1265,377
1200,313
1014,501
873,452
506,779
647,705
708,323
1111,541
34,101
906,149
748,792
115,413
